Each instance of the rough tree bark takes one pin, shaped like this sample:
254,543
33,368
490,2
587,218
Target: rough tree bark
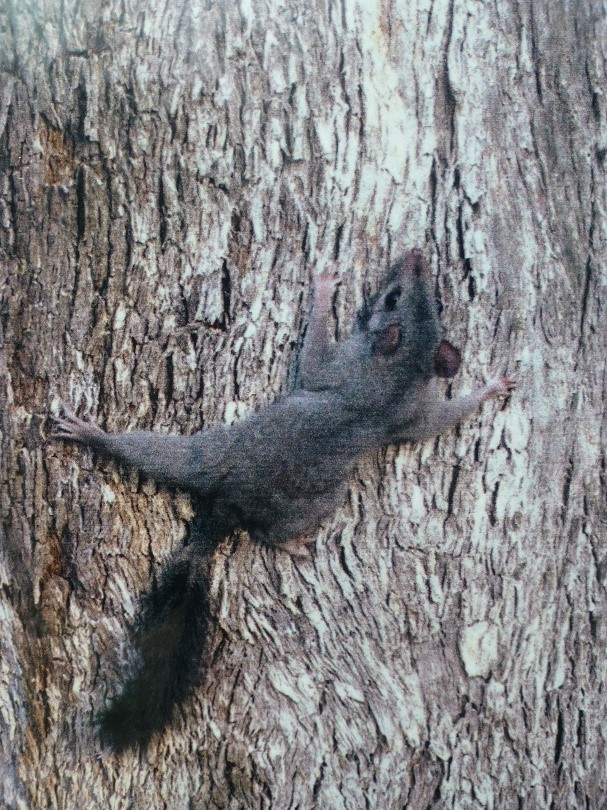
172,176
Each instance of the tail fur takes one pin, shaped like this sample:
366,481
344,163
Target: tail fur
170,636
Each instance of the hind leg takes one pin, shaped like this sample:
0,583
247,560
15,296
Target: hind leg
298,520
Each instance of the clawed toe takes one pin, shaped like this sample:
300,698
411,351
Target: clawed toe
69,427
500,387
61,429
507,385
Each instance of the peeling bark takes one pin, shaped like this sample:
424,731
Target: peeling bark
172,175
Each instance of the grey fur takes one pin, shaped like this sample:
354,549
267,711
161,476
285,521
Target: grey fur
282,470
279,472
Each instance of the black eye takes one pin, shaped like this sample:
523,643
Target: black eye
392,298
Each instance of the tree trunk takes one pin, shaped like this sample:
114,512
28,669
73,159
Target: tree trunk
172,177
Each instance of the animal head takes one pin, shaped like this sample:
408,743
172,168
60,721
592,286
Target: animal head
402,322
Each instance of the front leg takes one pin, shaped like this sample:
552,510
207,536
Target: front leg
166,459
318,351
441,416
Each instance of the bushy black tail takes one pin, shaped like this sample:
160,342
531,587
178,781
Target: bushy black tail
171,636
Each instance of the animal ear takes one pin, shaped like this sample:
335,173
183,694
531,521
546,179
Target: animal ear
387,341
447,359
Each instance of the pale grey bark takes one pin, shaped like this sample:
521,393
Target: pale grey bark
173,174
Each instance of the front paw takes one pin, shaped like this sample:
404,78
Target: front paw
325,284
500,387
70,428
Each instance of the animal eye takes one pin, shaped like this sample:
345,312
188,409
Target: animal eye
392,298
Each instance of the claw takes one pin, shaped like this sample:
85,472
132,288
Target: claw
298,548
506,385
501,387
69,427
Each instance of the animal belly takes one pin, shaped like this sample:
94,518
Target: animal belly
280,521
293,502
